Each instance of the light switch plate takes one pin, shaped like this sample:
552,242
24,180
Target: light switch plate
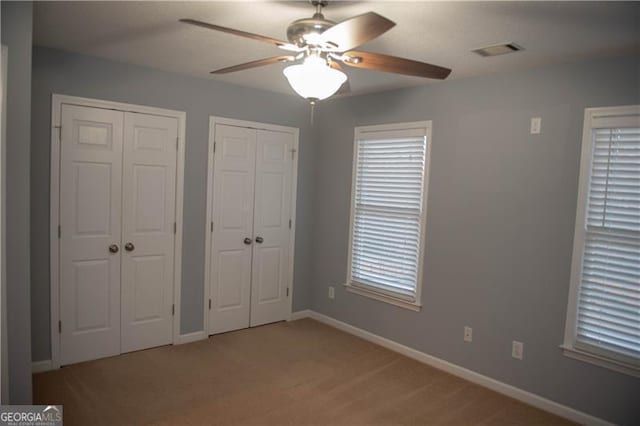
517,349
468,334
536,124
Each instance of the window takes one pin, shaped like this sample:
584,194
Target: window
603,317
388,211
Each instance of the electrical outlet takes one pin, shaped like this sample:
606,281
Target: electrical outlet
536,124
468,334
332,292
517,349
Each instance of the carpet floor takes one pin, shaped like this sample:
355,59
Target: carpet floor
290,373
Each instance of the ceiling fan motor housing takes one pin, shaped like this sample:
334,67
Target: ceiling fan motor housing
302,31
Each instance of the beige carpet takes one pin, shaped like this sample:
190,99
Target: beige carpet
295,373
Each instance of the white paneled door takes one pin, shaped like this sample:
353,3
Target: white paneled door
272,211
90,231
117,231
233,189
251,227
148,215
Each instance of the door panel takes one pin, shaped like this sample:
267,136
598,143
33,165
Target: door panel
148,215
90,206
231,275
269,298
269,275
148,296
91,291
93,195
233,189
150,201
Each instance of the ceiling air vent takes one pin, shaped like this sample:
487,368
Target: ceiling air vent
498,49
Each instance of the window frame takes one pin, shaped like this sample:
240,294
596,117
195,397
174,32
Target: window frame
397,299
571,347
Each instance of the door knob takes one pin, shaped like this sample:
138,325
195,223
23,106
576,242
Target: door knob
247,241
259,240
129,247
113,248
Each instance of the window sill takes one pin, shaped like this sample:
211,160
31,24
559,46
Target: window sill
372,294
581,355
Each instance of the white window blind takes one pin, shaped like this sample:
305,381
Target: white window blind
388,203
608,307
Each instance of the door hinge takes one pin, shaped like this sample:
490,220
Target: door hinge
214,147
209,303
175,227
211,226
59,132
59,231
289,223
293,153
287,291
177,144
173,309
60,327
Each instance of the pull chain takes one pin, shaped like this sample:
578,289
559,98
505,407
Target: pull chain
313,108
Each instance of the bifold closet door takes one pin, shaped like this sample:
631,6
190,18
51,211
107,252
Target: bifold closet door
233,191
117,218
148,230
90,232
251,227
272,212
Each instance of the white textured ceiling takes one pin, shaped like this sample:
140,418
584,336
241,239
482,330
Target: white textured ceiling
442,33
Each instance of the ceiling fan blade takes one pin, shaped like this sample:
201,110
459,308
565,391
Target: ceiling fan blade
386,63
279,43
254,64
346,87
356,31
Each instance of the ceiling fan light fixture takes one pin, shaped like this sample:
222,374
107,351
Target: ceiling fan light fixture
314,79
312,38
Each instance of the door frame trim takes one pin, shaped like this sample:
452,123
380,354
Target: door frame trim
213,120
57,101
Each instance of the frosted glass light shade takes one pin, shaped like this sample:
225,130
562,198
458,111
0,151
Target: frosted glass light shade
314,79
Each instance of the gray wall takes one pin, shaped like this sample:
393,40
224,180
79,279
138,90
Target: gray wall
56,71
499,234
16,35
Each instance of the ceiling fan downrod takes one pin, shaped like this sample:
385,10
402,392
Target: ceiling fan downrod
319,4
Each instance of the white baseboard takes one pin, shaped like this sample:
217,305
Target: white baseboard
190,337
300,315
41,366
456,370
46,365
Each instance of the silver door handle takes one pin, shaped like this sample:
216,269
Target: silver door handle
247,241
259,240
113,248
129,247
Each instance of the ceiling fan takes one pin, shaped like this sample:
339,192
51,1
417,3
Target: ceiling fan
321,45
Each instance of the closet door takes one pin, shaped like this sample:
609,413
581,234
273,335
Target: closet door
148,215
90,207
233,191
270,268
